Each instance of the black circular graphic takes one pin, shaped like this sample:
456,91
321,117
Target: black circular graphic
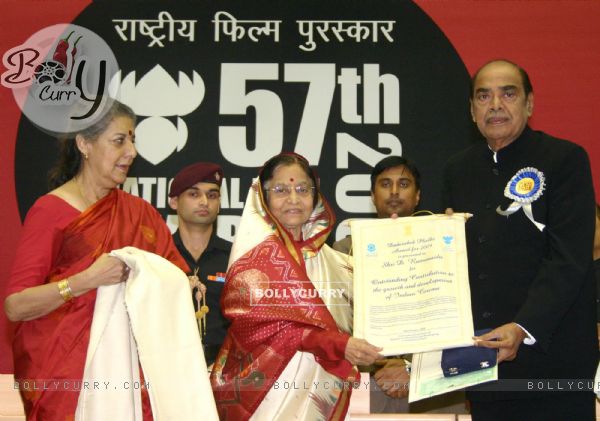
50,71
344,83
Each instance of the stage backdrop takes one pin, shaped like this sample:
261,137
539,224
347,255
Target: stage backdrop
345,83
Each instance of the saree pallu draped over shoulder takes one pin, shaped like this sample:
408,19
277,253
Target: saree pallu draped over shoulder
50,351
289,303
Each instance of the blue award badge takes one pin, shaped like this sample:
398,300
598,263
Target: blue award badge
524,188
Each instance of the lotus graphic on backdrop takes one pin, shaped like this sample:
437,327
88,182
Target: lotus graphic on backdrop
156,96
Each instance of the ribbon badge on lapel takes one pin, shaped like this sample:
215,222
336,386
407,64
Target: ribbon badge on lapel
524,188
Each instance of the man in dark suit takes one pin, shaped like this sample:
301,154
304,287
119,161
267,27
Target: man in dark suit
529,243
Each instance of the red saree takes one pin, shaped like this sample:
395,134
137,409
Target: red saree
280,319
50,352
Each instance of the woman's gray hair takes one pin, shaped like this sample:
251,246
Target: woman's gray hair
69,159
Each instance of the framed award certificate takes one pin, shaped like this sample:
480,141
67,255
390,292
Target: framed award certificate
411,283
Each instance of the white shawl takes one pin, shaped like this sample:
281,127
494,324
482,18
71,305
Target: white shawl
150,315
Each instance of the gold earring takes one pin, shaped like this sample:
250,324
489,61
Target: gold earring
85,155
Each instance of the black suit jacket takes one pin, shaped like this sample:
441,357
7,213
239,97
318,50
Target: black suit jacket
542,280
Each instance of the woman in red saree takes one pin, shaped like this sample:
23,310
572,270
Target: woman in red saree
61,261
288,353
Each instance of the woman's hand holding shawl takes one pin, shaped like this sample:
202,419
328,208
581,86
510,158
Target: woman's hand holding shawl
106,270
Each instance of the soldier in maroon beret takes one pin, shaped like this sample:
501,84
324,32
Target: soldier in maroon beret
195,195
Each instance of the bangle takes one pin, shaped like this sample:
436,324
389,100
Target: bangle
64,289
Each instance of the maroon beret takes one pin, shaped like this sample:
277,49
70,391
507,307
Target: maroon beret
200,172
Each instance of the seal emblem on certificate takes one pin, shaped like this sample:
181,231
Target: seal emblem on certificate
411,283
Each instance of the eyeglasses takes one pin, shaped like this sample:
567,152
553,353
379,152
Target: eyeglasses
281,190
